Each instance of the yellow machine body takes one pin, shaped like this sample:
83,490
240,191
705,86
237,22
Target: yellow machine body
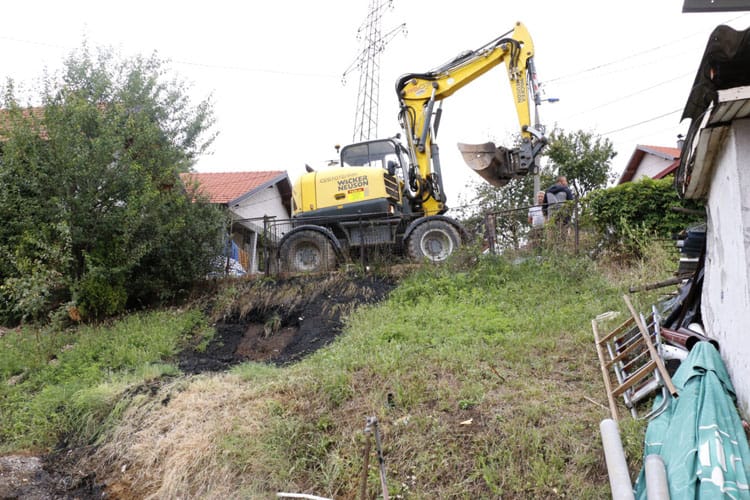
337,188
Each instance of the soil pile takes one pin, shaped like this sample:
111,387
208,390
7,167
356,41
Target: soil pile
52,477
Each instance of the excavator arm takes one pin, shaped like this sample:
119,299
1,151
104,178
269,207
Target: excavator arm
420,93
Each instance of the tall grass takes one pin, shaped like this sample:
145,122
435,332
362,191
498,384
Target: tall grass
70,385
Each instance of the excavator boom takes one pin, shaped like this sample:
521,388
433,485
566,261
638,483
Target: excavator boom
418,94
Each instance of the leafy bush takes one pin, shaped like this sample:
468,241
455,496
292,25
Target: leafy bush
626,215
94,214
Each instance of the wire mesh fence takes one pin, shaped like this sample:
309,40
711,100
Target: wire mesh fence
514,229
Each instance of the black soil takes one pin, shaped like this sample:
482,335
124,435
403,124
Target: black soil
282,321
274,321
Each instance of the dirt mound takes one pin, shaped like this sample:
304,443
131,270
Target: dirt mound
283,320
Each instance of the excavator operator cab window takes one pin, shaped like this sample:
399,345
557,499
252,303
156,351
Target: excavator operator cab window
379,154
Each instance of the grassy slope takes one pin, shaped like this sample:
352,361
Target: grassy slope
481,380
484,382
58,385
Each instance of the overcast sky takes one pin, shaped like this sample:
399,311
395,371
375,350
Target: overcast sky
619,69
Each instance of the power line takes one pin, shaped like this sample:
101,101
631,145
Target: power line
636,54
642,122
190,63
628,96
254,70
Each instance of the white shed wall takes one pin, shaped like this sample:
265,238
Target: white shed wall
265,202
725,302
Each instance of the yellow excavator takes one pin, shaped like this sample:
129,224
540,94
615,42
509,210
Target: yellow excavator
389,192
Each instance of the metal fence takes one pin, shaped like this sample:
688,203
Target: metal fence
511,229
371,240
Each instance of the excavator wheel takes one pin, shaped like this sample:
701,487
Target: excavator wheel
434,240
307,252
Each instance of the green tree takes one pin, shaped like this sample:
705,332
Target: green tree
94,215
583,157
508,205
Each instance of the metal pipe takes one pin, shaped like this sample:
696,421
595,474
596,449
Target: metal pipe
657,487
617,467
685,337
372,427
427,119
672,352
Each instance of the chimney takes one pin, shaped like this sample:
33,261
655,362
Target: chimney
680,141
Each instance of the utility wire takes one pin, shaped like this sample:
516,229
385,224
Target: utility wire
636,54
254,70
628,96
191,63
642,122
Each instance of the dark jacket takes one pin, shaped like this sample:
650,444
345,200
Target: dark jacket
556,189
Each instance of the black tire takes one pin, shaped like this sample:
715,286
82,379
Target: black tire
307,252
435,240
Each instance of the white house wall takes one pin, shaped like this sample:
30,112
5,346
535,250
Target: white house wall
726,289
650,166
267,202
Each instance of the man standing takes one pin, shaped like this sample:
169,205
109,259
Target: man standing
536,219
555,194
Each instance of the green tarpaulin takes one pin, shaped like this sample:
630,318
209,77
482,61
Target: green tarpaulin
700,436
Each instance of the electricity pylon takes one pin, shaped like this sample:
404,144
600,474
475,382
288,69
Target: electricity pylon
367,64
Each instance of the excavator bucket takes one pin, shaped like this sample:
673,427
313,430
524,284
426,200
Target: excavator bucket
497,165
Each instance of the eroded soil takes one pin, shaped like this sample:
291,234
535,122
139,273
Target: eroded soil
277,322
282,321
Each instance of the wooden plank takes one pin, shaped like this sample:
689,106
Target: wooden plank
625,352
643,372
605,373
654,355
616,331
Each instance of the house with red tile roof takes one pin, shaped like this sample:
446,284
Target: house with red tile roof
253,200
656,162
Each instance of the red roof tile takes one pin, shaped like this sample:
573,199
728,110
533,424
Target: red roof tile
671,168
664,152
223,187
672,153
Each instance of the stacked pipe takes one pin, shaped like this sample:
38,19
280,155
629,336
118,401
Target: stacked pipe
685,337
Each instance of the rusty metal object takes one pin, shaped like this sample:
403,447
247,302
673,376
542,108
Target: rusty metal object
685,337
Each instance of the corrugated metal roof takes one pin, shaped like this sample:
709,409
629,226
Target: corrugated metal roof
224,187
720,94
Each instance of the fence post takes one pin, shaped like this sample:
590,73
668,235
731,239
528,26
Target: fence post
266,256
361,244
489,222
